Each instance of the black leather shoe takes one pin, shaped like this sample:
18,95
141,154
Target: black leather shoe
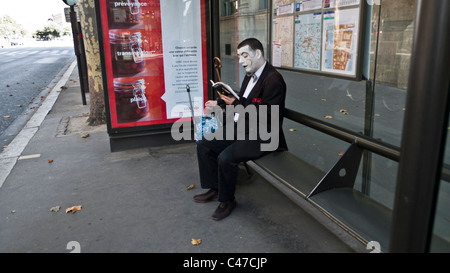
208,196
223,210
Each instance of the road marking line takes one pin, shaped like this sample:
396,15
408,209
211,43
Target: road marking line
29,156
48,60
6,165
18,144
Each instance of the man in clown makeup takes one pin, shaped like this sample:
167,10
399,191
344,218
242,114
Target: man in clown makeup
262,89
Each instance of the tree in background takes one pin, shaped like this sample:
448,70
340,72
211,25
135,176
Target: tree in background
49,32
9,27
90,37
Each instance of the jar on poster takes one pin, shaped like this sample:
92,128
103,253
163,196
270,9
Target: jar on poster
127,53
124,13
131,99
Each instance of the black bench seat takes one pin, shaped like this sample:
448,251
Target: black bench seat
292,171
358,214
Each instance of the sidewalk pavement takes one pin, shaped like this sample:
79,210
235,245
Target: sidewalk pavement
132,201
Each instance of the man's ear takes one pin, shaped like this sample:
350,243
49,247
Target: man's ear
259,54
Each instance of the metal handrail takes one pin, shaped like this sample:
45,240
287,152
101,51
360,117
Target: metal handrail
378,147
381,148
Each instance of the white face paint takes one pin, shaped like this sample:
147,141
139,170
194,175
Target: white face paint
250,59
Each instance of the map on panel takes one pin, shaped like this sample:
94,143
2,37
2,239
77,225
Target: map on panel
340,31
283,29
307,41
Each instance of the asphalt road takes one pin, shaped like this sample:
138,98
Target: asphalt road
27,73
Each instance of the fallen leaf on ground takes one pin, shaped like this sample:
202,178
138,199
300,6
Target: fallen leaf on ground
73,209
63,87
6,116
328,117
55,208
50,160
340,153
85,136
196,242
190,187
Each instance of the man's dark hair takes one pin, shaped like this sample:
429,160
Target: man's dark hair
253,43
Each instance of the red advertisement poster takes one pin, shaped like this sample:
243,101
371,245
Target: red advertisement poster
149,61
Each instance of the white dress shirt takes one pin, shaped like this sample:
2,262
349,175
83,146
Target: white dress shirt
253,82
250,85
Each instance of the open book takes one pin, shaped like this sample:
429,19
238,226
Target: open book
226,86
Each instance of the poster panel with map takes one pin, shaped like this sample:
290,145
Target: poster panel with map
318,36
340,41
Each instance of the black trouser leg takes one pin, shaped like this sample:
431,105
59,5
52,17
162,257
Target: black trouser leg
228,174
216,167
207,153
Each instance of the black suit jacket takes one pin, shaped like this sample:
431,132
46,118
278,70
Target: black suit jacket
270,89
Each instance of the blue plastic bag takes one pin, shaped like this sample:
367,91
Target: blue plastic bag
205,125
